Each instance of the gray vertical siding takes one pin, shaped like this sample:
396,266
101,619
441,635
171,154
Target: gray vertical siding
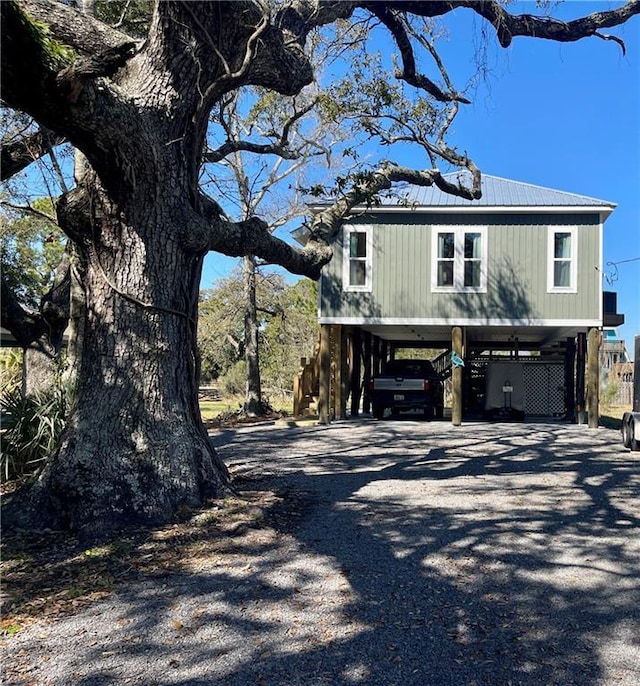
517,271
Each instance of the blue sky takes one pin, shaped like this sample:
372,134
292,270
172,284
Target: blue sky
565,116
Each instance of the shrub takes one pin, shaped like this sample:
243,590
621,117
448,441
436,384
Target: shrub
32,427
609,396
11,368
234,382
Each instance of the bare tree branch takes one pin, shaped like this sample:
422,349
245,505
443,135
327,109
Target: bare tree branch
392,19
508,26
281,147
29,209
16,155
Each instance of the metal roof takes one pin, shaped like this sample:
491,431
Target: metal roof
496,192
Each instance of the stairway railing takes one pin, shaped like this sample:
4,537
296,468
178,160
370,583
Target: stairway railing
442,365
306,383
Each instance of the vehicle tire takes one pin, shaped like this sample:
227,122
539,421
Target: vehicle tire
629,435
378,411
439,411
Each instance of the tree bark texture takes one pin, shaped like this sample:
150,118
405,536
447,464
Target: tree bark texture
253,396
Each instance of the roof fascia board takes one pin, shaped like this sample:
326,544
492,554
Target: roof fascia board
463,321
480,209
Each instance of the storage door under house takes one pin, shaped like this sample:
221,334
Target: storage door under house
544,389
543,392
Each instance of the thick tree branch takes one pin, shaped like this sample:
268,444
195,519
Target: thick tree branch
392,19
300,17
231,146
19,154
25,326
327,222
31,64
252,236
28,327
208,231
508,25
105,63
82,32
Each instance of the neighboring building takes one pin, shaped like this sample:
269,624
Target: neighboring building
514,276
616,369
613,352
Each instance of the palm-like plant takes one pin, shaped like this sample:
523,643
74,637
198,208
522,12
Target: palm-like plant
31,430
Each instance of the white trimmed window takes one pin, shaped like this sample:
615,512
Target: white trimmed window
459,259
357,258
562,263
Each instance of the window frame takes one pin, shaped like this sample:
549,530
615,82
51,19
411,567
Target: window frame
459,259
349,229
573,259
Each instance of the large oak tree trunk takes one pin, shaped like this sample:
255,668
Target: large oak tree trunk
135,450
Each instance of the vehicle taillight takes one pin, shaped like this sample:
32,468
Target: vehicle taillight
426,385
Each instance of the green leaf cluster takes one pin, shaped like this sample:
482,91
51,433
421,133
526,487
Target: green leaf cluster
31,248
55,54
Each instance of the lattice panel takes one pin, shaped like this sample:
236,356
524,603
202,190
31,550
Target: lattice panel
544,389
556,389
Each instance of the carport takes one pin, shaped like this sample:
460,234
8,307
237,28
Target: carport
558,367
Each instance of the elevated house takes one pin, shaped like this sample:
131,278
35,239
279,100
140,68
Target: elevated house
511,284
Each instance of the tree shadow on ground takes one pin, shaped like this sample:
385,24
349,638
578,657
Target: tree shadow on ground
418,557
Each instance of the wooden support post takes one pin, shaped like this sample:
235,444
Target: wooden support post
366,397
336,364
296,395
593,377
325,374
581,356
356,372
456,378
375,364
570,378
344,372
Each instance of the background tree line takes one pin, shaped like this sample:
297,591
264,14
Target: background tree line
287,330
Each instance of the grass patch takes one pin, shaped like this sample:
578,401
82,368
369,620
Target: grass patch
611,417
210,409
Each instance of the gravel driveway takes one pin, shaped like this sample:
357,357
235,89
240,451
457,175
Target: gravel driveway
409,553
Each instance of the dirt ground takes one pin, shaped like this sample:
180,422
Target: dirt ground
394,552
